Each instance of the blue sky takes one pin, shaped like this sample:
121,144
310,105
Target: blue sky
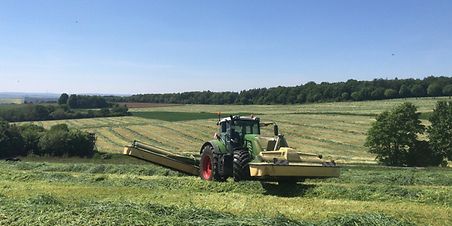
85,46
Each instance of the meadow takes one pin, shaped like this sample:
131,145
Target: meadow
112,189
106,193
335,130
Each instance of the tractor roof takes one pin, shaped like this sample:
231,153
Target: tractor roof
238,117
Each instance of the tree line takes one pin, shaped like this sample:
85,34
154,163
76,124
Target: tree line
311,92
82,101
394,136
38,112
59,140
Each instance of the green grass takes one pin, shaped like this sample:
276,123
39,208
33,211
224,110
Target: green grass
112,193
128,213
335,130
174,116
114,189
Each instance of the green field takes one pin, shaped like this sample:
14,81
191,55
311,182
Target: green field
140,193
336,130
124,190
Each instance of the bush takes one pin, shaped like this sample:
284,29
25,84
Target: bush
120,110
11,142
394,134
31,134
60,140
421,154
393,137
34,139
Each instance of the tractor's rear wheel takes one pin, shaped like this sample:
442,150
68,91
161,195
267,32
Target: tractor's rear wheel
208,166
241,169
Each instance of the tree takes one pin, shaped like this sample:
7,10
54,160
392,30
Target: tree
421,154
120,110
378,94
434,90
72,102
404,91
63,99
356,96
440,130
394,134
31,134
447,90
345,96
11,142
390,93
301,98
417,90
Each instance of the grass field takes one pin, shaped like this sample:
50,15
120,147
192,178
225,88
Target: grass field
109,194
127,191
336,130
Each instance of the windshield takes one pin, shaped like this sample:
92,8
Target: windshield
246,127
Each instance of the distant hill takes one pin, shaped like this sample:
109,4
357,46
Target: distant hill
21,95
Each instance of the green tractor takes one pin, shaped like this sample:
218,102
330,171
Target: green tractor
239,151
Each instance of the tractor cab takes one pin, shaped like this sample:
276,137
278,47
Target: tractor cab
232,130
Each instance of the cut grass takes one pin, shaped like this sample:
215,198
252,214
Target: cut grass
174,116
91,212
362,194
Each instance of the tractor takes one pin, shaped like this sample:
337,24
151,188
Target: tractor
238,150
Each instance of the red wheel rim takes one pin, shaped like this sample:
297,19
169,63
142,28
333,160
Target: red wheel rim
206,167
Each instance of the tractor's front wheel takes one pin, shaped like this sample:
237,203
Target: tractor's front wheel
241,169
208,166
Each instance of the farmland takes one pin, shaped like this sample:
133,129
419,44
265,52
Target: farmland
105,193
124,190
336,130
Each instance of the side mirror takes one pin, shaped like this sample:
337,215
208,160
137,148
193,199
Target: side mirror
275,130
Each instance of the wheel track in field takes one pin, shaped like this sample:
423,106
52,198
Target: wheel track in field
106,138
321,127
182,133
168,138
340,118
292,131
119,135
148,139
326,148
329,136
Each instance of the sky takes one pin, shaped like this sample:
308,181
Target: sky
150,46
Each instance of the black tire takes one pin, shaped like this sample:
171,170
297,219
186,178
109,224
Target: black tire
241,169
208,165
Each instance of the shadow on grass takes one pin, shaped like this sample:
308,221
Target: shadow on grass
286,190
